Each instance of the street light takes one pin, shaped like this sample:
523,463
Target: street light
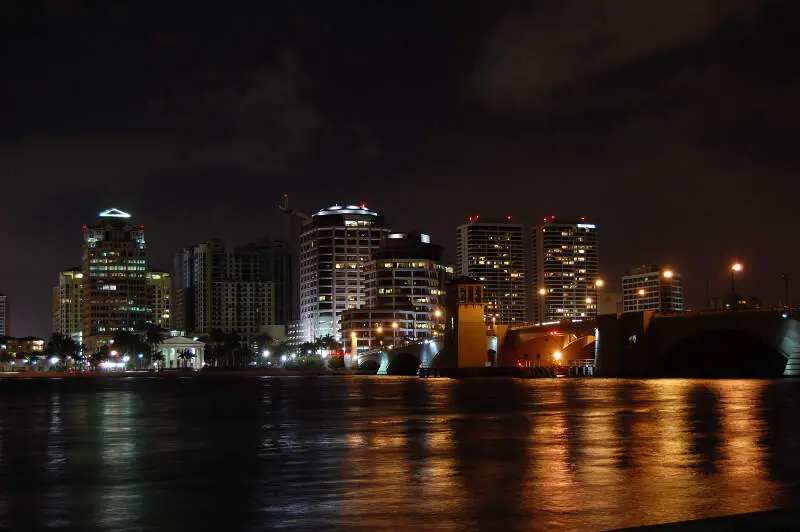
436,314
542,293
598,284
668,274
736,267
641,293
557,355
394,333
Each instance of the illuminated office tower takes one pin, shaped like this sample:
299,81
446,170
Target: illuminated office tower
115,295
652,287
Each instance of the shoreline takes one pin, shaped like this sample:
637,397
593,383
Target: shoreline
167,374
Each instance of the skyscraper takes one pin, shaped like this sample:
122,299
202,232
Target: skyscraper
159,297
651,287
405,284
68,304
4,315
566,269
335,244
114,274
230,290
493,253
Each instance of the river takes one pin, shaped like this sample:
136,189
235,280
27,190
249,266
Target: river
392,453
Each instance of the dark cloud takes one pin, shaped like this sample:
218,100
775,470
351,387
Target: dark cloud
263,125
670,124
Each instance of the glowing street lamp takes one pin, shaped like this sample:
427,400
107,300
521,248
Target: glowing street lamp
395,325
668,274
641,293
736,267
557,356
542,301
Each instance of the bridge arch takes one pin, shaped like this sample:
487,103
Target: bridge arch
723,353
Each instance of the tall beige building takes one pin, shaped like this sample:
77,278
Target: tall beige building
159,294
68,304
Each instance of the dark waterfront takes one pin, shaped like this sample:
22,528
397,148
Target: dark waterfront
385,453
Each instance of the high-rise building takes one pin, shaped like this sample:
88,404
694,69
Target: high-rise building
274,263
230,290
159,296
68,304
651,287
4,316
493,253
335,244
114,274
566,268
405,284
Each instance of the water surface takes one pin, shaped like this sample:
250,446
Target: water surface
386,453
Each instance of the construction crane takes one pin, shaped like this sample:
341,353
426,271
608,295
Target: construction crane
284,206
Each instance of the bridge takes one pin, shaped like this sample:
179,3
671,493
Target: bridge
635,344
702,344
401,360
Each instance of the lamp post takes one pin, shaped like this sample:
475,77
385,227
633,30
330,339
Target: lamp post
354,350
380,335
736,267
436,314
640,294
542,301
598,284
394,334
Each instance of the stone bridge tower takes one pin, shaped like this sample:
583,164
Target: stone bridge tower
465,337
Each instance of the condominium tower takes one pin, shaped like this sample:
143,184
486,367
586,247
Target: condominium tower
405,283
159,297
493,253
4,328
68,304
226,290
566,269
335,244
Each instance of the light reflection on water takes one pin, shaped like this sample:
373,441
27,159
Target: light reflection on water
384,453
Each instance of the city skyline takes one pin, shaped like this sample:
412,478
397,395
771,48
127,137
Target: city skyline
676,142
612,283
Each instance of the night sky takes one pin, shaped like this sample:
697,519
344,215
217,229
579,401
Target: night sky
672,124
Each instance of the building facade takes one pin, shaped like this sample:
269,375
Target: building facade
115,295
68,304
159,295
566,269
226,290
493,252
335,245
651,287
405,287
4,316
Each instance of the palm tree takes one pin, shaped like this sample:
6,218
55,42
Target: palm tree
157,358
127,343
153,337
231,344
99,356
62,347
186,355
